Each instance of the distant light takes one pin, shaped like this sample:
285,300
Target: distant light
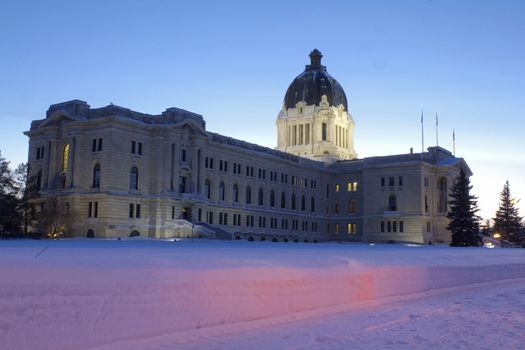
372,244
490,245
496,235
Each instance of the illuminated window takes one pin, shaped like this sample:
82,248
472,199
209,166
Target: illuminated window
336,228
355,186
336,188
65,158
351,228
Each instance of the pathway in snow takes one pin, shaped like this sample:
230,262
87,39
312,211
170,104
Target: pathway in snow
480,316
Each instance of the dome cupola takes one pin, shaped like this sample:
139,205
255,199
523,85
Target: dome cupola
312,84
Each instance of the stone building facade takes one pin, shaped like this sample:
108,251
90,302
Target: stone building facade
126,173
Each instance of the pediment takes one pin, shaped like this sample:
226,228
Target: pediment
192,126
57,118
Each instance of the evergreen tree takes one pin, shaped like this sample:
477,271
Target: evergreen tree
507,221
10,218
27,195
464,223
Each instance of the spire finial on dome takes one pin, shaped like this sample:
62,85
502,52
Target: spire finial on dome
315,58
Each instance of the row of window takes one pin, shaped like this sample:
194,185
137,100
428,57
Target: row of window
350,187
261,221
250,172
260,197
392,226
351,207
351,228
96,145
392,181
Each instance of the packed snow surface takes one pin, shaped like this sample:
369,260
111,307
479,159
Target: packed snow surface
145,294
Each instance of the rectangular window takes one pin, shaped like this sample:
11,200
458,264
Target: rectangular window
382,226
172,212
382,182
394,226
324,132
428,226
226,166
210,217
336,208
351,206
400,181
389,226
336,228
90,210
137,211
391,181
182,184
133,147
99,146
95,213
225,218
336,188
200,214
131,211
94,145
183,155
140,148
401,226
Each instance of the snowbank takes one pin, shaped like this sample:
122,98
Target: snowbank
80,294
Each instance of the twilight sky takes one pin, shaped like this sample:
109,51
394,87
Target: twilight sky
232,61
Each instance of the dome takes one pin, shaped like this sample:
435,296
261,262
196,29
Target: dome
313,83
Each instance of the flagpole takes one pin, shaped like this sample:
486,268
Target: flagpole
422,133
454,142
437,140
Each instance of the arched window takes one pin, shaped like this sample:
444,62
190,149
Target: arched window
283,200
221,191
248,195
134,234
96,176
272,198
293,201
236,193
312,204
392,203
65,157
324,132
303,203
261,197
134,178
207,189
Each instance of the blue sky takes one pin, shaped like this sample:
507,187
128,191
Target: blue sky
231,61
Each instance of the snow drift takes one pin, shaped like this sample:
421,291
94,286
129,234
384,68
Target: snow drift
81,294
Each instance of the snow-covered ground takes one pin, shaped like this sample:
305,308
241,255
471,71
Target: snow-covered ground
90,294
